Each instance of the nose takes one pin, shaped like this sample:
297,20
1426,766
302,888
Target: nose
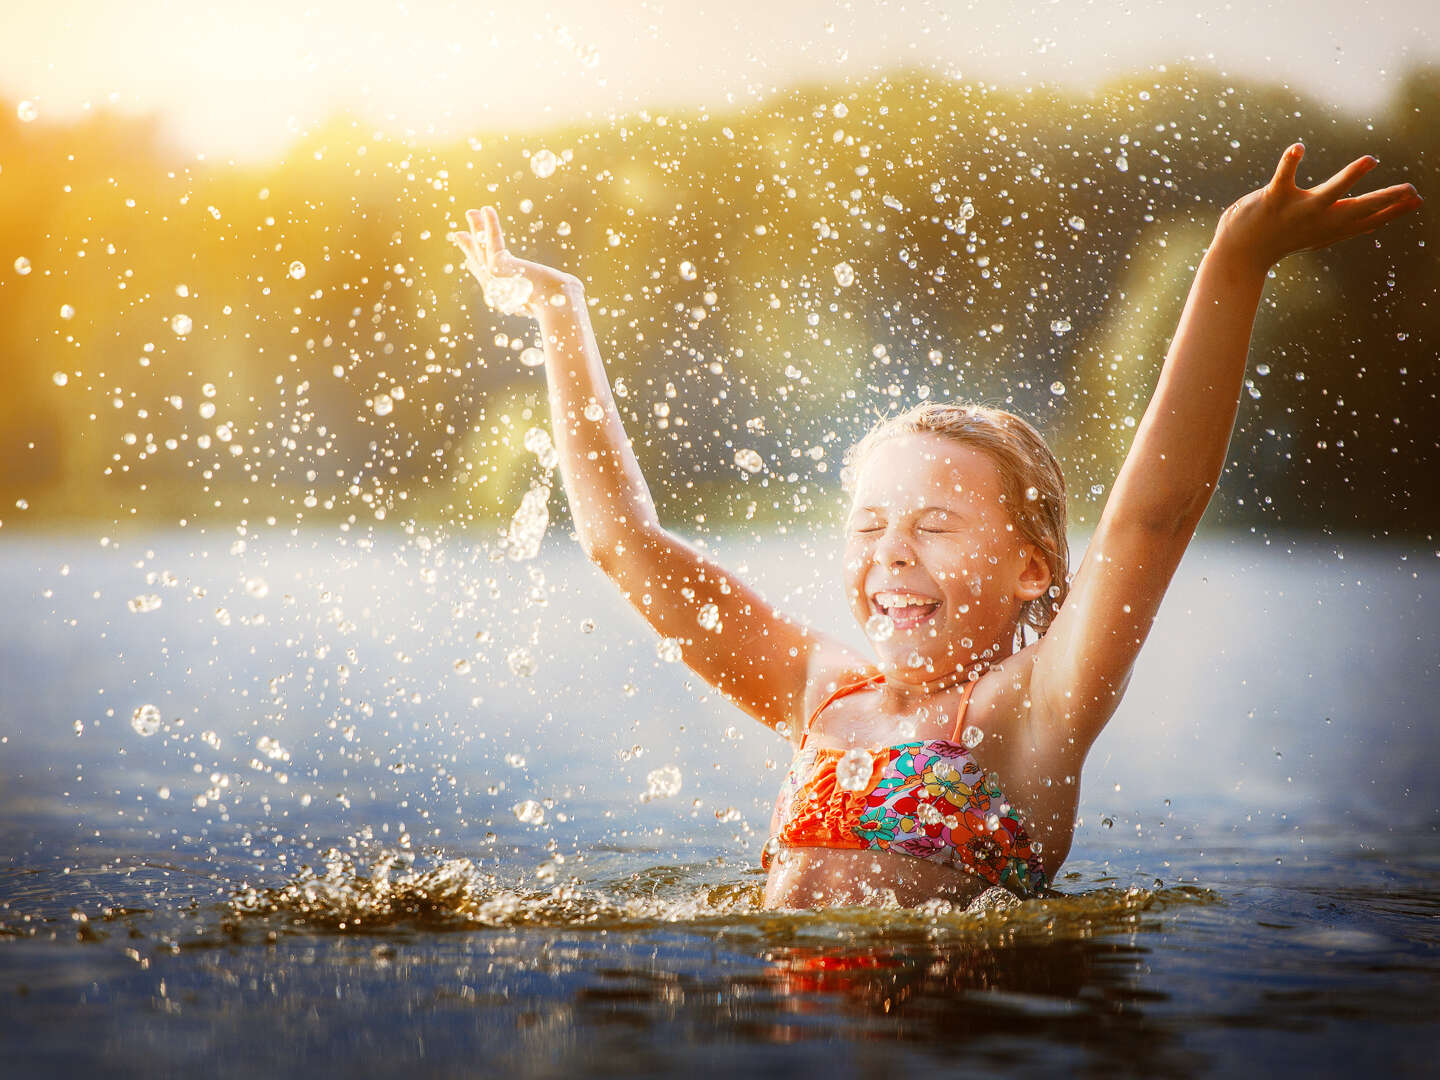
893,550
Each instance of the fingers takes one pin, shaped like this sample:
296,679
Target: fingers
490,233
1362,206
484,244
1289,162
474,257
1345,179
1389,213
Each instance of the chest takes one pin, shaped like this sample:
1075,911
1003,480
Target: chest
861,720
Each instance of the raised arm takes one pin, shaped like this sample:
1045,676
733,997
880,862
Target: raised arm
746,648
1082,664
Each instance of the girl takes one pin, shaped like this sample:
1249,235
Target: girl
950,764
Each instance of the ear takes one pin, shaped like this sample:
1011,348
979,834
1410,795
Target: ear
1034,574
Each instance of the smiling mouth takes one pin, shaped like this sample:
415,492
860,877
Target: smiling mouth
906,610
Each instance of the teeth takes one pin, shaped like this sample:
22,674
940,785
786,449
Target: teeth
899,600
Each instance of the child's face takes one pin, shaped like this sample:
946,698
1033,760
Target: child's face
930,545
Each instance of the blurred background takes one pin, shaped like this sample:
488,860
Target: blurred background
226,292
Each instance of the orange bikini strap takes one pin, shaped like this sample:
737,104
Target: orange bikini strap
848,688
960,712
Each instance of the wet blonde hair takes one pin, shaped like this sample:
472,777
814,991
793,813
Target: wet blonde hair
1025,464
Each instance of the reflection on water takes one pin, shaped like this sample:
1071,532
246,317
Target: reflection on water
314,857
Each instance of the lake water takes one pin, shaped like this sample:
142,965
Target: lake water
314,860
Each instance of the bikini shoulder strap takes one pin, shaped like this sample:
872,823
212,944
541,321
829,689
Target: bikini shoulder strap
848,688
964,707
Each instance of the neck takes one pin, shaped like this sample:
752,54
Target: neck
908,684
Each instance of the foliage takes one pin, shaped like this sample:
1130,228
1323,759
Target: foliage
709,244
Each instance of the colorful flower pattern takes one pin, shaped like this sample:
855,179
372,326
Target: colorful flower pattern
929,800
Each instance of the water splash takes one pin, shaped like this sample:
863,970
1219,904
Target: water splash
528,525
399,889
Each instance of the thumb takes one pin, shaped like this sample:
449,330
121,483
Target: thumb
1289,162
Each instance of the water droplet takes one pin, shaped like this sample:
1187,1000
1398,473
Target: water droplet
1031,494
181,324
532,357
664,782
1122,163
1109,823
839,110
668,649
853,770
60,378
594,412
1060,326
972,736
297,269
27,111
1077,222
462,666
508,295
67,311
992,822
143,604
222,616
257,587
162,792
687,270
521,662
749,460
844,275
542,164
145,720
1262,369
709,617
528,525
879,627
915,660
1057,388
384,405
587,626
530,812
537,441
22,265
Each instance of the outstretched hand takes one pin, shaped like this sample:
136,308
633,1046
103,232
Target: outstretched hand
1282,218
511,284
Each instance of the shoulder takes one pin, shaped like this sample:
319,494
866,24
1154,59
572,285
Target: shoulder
833,664
1009,701
1001,700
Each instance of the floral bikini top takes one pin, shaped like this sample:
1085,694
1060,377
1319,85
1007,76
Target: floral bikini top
926,799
